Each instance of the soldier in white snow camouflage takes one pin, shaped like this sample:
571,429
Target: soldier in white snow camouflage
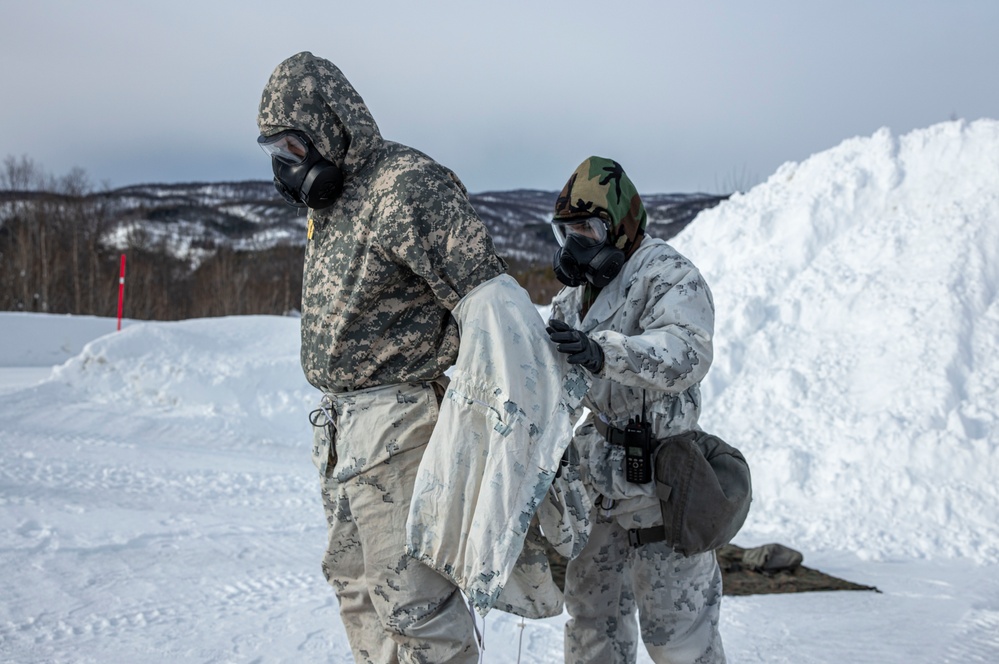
394,245
640,317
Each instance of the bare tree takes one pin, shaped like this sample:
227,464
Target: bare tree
56,256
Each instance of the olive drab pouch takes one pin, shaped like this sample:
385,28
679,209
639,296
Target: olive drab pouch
704,488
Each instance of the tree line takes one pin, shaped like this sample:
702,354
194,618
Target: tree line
55,258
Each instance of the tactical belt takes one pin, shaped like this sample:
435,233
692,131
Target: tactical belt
612,435
640,536
636,536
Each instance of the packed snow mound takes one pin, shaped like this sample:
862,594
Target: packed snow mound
242,372
857,343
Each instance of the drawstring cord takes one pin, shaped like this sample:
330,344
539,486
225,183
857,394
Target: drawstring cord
325,406
479,636
520,640
327,411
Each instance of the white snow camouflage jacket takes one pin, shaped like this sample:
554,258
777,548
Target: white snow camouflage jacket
486,487
654,323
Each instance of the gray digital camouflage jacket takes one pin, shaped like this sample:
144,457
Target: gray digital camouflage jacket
387,262
655,323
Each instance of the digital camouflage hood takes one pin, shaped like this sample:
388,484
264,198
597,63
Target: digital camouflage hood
312,95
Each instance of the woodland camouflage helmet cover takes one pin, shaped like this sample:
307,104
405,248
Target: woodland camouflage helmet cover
600,187
311,95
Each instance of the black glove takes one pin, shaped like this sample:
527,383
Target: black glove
579,347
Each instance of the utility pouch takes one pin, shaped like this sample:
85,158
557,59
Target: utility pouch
704,488
703,484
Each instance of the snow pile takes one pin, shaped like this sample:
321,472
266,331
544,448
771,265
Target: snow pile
242,373
857,352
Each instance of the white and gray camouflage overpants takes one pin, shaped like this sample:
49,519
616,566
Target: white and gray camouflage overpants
394,608
678,601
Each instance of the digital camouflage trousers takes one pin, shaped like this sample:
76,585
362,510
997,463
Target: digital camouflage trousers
677,598
394,608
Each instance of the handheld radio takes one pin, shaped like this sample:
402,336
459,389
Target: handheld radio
638,449
638,452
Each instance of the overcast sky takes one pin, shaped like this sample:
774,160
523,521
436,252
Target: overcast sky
688,96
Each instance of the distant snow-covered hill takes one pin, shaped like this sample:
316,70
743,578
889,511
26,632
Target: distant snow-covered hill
192,220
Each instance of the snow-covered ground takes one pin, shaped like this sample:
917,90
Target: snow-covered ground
158,504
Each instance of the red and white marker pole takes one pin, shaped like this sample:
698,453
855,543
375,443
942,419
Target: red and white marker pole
121,289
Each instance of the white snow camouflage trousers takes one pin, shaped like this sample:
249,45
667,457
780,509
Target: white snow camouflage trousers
394,608
678,600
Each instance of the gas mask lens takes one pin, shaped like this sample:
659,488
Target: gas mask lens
590,231
288,146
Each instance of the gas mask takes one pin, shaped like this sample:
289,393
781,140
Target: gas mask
584,253
302,176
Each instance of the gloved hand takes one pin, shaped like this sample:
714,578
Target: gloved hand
580,348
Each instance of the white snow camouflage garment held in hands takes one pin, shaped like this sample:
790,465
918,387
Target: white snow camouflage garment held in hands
487,478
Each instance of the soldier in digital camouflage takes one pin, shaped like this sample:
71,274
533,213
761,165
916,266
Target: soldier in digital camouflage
640,317
393,246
